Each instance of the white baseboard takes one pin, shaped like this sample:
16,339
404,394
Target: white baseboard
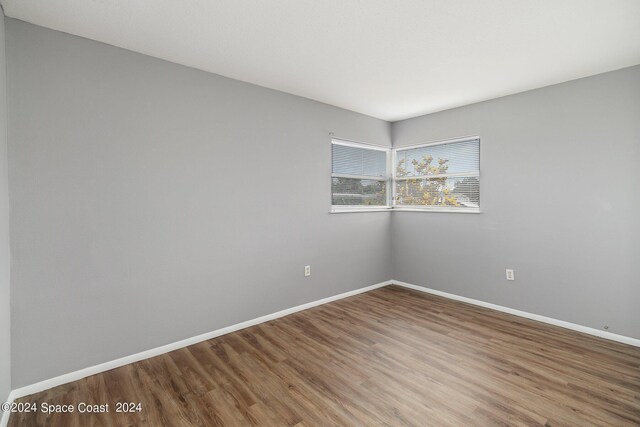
568,325
92,370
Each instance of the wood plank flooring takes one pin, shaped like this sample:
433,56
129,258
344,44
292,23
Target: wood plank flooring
391,356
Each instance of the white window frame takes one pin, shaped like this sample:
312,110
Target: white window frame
386,178
391,178
414,208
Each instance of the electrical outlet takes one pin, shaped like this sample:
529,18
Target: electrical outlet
510,274
307,270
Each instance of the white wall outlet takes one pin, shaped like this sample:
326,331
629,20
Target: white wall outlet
307,270
510,274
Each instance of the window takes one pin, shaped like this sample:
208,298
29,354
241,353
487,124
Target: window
443,176
359,177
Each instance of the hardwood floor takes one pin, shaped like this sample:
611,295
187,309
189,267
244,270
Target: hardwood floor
391,356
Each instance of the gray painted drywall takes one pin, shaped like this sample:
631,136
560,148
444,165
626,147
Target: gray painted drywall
5,335
152,202
560,201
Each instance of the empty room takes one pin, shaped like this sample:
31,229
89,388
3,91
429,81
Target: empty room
320,213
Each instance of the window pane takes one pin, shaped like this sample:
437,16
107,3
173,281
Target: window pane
454,157
359,161
439,192
358,192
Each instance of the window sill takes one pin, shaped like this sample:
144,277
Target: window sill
338,210
403,209
467,211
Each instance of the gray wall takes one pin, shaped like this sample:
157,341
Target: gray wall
560,201
152,202
5,341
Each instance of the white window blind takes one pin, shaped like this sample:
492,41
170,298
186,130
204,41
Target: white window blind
440,176
359,177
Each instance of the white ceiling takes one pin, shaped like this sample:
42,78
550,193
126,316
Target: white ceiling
391,59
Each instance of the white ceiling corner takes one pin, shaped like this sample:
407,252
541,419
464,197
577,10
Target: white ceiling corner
391,59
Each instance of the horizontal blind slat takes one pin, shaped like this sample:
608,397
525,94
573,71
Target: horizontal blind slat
358,161
448,158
